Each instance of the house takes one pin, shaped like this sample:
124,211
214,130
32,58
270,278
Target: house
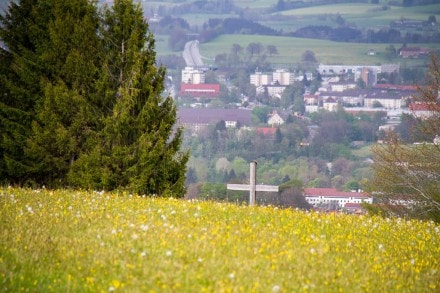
268,132
203,90
311,108
275,119
371,52
424,110
197,119
319,196
413,52
311,99
275,91
330,104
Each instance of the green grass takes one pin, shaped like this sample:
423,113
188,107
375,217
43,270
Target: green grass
162,48
291,49
255,4
75,241
198,19
362,15
363,152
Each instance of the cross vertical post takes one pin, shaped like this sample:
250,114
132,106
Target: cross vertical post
252,187
252,182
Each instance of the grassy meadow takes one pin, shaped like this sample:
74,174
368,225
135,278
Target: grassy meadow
291,49
77,241
362,15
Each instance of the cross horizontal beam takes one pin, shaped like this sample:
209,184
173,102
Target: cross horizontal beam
252,187
246,187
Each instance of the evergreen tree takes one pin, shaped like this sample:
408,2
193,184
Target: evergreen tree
138,147
81,100
66,116
23,31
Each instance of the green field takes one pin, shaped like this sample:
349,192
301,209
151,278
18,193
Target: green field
290,49
162,48
363,152
76,241
362,15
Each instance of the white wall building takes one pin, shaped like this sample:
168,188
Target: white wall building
341,86
259,79
193,76
275,119
318,196
275,91
330,104
283,77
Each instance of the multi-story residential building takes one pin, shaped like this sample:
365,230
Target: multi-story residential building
385,99
261,79
192,75
283,77
368,76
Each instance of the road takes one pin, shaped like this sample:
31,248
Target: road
191,54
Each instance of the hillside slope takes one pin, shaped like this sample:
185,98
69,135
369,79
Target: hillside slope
96,241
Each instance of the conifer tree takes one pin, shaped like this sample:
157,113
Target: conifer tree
81,100
138,148
65,117
23,31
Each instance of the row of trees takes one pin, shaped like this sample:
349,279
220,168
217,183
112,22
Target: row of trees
81,100
349,34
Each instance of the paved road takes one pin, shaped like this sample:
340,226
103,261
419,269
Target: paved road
191,54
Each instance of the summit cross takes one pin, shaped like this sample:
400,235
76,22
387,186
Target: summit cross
252,187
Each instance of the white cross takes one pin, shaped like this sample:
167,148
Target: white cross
252,187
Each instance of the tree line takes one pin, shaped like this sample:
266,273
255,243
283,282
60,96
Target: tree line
81,100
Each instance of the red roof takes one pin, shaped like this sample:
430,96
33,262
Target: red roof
433,107
266,131
402,87
332,192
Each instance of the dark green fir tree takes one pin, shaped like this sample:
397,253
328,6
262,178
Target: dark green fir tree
23,33
138,148
66,116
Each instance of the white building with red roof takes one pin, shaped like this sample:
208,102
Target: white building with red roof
318,196
424,110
